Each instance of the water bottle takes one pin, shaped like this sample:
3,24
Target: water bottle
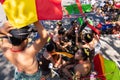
50,66
92,76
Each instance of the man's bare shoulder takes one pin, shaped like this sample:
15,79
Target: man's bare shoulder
84,65
28,51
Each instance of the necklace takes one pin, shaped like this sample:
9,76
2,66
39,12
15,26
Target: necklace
15,50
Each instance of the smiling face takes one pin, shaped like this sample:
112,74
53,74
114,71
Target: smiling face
82,54
78,55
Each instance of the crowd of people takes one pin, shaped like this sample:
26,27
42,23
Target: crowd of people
110,13
70,51
61,44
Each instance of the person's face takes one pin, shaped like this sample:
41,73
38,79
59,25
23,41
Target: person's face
53,51
60,36
78,55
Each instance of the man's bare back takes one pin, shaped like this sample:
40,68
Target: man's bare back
21,56
83,69
23,62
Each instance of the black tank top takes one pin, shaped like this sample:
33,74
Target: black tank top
45,64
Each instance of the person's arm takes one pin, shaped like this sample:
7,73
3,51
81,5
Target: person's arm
5,45
76,36
4,30
52,60
40,42
1,42
58,63
77,75
67,72
77,72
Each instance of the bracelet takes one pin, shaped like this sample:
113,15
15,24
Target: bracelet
0,30
57,63
0,39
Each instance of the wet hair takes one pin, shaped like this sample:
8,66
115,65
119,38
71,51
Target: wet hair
73,22
59,23
85,53
50,47
61,31
88,37
19,35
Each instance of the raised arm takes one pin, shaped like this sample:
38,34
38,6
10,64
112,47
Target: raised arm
4,30
40,42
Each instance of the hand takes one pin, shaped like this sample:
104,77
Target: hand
6,28
69,43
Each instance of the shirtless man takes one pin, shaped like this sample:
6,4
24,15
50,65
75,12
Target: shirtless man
4,30
57,39
58,26
92,42
22,57
51,55
83,67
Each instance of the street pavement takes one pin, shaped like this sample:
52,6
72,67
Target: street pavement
6,69
111,47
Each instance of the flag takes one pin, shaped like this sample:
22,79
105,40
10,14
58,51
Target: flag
99,26
89,22
117,5
73,8
106,69
80,20
49,9
106,26
80,7
23,12
93,28
68,55
1,1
